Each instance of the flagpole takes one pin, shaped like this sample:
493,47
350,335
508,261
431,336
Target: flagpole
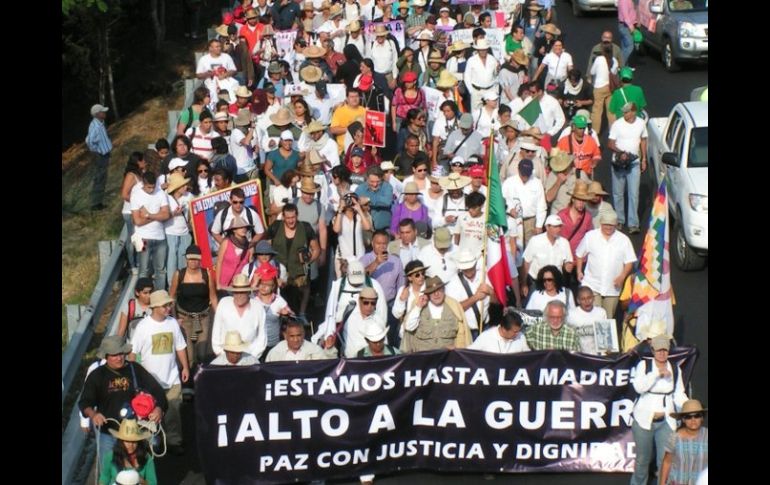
486,220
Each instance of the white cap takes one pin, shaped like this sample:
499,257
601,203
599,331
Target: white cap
98,108
553,220
466,259
387,165
490,96
286,135
176,163
356,275
374,332
127,477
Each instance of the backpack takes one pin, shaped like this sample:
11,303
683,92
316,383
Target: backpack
131,319
221,208
189,119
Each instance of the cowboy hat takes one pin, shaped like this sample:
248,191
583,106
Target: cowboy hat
660,342
281,117
113,345
234,342
446,80
314,126
242,92
221,116
418,3
315,158
306,169
310,74
307,6
251,14
129,431
354,26
176,180
529,144
425,35
387,165
432,284
403,5
689,406
580,191
381,31
237,222
596,188
454,181
222,31
369,293
457,46
374,332
533,5
314,52
243,118
240,284
520,57
160,298
560,160
435,56
466,259
335,11
551,29
309,187
481,44
411,188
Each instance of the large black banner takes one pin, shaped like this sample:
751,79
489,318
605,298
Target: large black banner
455,410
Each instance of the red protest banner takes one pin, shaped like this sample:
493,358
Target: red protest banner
202,215
374,130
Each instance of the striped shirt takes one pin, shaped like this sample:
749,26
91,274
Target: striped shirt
97,140
540,337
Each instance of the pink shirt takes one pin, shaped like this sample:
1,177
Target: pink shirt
232,264
568,227
627,12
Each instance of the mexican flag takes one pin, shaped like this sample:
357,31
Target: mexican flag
531,111
496,225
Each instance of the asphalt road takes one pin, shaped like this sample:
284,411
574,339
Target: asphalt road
662,90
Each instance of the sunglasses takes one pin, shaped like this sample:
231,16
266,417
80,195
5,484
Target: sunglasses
528,151
369,302
419,274
692,416
236,202
547,279
421,170
205,170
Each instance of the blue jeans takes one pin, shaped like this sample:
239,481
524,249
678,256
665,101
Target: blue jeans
626,42
130,250
177,245
155,249
658,434
620,178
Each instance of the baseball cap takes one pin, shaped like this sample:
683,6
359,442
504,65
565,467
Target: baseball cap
553,220
98,108
356,275
466,121
286,135
442,238
580,121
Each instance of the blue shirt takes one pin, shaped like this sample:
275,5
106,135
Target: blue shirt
97,140
390,274
380,203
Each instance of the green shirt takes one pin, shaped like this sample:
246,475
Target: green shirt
633,94
109,470
540,337
511,45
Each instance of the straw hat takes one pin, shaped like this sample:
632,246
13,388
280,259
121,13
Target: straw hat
243,92
113,345
281,117
425,35
160,298
310,74
335,11
580,191
533,5
418,3
435,56
379,31
415,270
309,187
326,4
457,46
466,259
129,431
374,332
411,188
237,222
551,29
595,188
690,406
314,126
454,181
432,284
481,44
446,80
251,14
559,160
520,57
314,52
354,26
222,31
176,180
234,342
243,118
240,284
403,5
308,6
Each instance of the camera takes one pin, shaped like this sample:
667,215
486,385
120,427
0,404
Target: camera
349,198
304,254
570,108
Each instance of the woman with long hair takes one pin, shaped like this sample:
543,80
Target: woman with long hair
131,452
341,185
407,62
302,116
181,147
132,177
188,118
272,303
348,71
549,285
203,183
233,253
414,123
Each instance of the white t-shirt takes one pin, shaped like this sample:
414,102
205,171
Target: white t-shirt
490,340
209,63
627,135
601,73
443,266
471,231
351,243
583,323
155,345
557,65
456,290
177,225
153,203
605,261
243,160
539,299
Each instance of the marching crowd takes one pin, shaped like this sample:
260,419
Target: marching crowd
398,224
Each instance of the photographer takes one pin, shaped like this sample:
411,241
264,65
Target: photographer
349,223
297,246
574,93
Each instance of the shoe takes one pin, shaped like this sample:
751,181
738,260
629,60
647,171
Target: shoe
634,230
98,207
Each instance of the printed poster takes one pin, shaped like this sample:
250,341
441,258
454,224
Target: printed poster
374,129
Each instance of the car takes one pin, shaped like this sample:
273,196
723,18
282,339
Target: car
677,151
581,6
678,29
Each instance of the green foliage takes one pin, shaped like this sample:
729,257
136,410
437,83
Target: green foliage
69,5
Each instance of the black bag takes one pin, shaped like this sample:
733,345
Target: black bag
623,163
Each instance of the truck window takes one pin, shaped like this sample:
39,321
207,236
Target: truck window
688,5
698,155
677,145
673,126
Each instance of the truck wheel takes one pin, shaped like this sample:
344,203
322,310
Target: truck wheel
686,259
668,57
576,10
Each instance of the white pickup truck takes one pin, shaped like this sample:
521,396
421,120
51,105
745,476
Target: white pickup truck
677,149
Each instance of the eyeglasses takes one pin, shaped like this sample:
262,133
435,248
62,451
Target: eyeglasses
236,202
369,302
528,151
421,170
204,170
692,416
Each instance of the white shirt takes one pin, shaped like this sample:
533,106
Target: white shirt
627,135
443,266
442,128
456,290
583,323
398,187
384,57
647,404
453,66
218,228
155,345
490,340
434,208
330,27
600,73
354,329
481,74
321,108
400,307
240,151
540,252
471,231
552,118
454,207
350,240
335,307
177,225
486,121
153,203
308,351
539,299
251,325
209,63
531,195
606,260
557,65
